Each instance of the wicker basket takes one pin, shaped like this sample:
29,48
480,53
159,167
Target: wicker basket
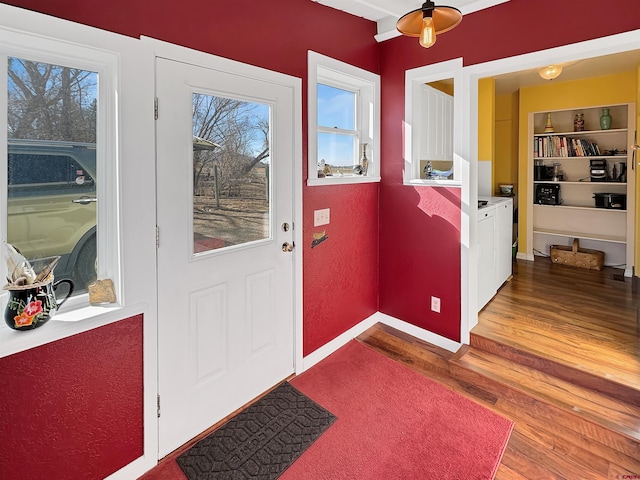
577,257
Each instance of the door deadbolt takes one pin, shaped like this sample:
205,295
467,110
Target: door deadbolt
285,227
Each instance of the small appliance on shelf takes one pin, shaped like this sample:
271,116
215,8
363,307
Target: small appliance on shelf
598,169
617,201
548,194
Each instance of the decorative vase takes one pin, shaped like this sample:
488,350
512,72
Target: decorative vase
31,306
364,161
578,122
548,128
605,119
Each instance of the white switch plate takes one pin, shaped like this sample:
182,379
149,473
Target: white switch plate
435,304
321,217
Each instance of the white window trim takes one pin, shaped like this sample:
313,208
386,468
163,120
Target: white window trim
102,52
414,80
323,69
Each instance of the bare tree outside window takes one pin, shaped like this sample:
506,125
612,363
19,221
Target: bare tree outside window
51,102
230,177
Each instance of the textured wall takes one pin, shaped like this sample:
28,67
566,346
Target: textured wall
340,287
419,227
72,409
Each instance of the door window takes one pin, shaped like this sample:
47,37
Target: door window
231,164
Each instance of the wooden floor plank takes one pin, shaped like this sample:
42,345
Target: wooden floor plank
580,318
585,319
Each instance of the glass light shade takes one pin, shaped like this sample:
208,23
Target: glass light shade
428,32
550,72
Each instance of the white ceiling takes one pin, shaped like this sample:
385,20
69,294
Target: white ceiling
575,70
386,13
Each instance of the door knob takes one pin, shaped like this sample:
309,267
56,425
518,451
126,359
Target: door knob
288,247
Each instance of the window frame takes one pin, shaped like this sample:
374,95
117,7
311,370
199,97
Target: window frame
366,85
128,128
105,65
415,79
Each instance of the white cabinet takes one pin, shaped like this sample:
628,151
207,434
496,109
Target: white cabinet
576,216
486,255
504,243
495,231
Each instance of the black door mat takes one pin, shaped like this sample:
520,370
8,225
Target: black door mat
261,441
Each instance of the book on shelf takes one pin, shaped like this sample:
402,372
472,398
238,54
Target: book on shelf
561,146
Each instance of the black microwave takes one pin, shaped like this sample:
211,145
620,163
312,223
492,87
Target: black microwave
547,194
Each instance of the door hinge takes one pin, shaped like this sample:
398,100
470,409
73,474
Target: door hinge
158,405
155,108
157,237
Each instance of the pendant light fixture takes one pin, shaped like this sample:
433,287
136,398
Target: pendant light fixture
428,21
550,72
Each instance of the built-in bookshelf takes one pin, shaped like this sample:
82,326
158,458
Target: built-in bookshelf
583,167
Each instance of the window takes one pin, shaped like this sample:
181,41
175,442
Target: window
344,123
231,163
432,129
60,126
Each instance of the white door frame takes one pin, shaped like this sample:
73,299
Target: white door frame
186,55
587,49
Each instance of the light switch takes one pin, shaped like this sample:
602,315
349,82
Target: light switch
321,217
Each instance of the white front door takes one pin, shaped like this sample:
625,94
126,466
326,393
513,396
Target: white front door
225,150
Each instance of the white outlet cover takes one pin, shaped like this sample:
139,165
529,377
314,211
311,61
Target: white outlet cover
435,304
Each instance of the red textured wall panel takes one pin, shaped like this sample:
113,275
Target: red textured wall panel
419,227
341,273
72,409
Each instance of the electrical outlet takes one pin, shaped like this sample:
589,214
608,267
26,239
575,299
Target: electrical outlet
321,217
435,304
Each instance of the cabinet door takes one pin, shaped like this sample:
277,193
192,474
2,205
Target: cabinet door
486,256
504,235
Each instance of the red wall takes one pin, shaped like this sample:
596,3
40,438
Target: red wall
419,226
73,409
82,417
341,275
341,288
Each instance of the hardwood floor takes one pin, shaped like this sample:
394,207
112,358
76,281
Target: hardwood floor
558,352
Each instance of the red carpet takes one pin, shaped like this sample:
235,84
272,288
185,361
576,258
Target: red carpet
394,423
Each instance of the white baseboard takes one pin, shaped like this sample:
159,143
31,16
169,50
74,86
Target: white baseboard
421,333
524,256
134,469
330,347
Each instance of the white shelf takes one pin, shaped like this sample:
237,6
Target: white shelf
609,230
586,182
582,133
579,207
583,157
583,236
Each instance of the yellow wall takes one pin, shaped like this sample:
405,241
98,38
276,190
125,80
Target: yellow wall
506,141
486,123
555,95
